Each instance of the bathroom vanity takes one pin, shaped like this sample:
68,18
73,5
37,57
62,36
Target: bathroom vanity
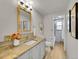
34,49
27,49
37,52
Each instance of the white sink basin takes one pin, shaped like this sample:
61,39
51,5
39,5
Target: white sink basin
30,42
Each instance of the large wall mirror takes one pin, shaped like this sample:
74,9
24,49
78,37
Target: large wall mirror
23,20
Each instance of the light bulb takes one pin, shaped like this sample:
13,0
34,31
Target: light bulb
30,7
18,2
31,2
27,4
23,5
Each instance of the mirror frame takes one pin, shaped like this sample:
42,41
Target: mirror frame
19,20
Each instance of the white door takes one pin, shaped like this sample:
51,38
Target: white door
58,27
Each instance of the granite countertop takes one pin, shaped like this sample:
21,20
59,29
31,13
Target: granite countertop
15,52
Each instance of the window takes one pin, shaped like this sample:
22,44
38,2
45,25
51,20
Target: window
59,25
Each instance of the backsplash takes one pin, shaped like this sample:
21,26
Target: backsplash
7,38
24,37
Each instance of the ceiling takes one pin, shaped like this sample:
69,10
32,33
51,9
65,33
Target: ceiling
50,6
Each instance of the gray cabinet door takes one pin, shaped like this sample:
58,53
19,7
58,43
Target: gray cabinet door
36,52
22,57
26,55
42,44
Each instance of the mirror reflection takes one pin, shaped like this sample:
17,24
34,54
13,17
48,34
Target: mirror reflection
24,20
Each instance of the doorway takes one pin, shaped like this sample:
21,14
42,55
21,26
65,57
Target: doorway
58,28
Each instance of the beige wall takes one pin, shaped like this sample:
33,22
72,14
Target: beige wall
37,19
72,43
8,17
49,25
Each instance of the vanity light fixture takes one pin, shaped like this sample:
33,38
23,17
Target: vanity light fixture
21,3
31,2
26,4
28,9
29,6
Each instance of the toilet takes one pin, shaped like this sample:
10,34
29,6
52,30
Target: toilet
50,43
